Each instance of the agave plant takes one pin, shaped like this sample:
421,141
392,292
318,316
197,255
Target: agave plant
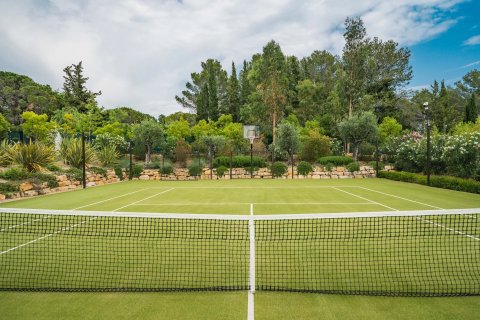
107,155
32,157
71,152
4,158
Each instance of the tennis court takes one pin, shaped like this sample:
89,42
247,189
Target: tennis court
117,220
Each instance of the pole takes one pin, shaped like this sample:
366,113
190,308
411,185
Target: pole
292,164
376,157
251,160
231,160
427,116
130,165
211,163
84,174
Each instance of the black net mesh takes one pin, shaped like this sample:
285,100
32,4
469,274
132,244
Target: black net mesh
425,255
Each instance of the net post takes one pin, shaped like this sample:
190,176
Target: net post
251,291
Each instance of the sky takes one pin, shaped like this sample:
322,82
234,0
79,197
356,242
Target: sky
140,53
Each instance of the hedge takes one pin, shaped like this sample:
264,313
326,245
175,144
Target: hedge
444,182
335,160
239,162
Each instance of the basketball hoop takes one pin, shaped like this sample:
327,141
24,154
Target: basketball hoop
251,132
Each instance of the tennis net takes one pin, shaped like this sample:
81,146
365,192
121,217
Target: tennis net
423,253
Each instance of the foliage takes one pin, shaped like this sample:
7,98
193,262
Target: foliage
288,138
76,93
71,152
304,168
221,170
38,127
278,169
98,170
445,182
114,128
4,127
7,188
109,139
74,174
149,133
353,166
389,128
239,162
357,129
166,169
461,154
4,159
14,174
381,165
182,151
32,157
107,155
50,179
137,170
314,146
53,168
466,128
471,111
179,129
194,170
335,160
118,172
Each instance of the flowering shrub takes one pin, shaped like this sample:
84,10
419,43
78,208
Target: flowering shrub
462,156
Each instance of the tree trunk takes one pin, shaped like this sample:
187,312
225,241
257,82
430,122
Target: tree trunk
148,156
274,125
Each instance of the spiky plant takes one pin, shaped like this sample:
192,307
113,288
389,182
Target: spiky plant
4,159
71,152
33,157
107,155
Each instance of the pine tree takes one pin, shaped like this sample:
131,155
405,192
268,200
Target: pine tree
234,95
471,111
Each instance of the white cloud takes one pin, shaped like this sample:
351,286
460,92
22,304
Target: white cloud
141,53
470,64
472,41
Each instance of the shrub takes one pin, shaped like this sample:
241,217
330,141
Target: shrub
118,172
107,155
74,174
167,169
50,179
279,169
153,165
71,152
14,174
445,182
353,166
7,188
304,168
194,170
53,168
335,160
221,171
381,165
32,157
137,170
4,159
239,162
182,150
315,145
329,167
99,170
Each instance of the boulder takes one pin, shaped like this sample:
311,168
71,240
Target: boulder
2,197
91,184
144,177
30,193
25,186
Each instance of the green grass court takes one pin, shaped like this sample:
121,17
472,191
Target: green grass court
267,197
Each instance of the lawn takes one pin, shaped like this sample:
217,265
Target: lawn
238,197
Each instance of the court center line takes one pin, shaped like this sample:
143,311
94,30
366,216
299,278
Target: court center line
134,203
102,201
398,197
47,236
371,201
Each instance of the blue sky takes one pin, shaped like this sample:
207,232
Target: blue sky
447,56
140,53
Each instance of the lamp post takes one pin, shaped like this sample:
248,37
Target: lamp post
427,118
84,173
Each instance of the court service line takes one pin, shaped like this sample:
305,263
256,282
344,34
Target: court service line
22,224
257,203
102,201
398,197
134,203
47,236
371,201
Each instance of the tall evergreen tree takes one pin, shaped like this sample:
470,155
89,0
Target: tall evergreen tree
234,95
245,86
76,93
471,111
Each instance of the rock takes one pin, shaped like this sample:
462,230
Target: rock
91,184
100,183
62,178
2,197
144,177
44,191
26,186
30,193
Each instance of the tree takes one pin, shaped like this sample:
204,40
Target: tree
4,127
470,82
314,145
76,93
288,139
389,128
150,133
357,129
37,127
234,95
178,130
471,111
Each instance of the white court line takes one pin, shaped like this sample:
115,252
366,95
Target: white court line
256,203
259,187
47,236
449,229
134,203
23,224
102,201
371,201
406,199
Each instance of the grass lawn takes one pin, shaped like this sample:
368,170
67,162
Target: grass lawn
236,197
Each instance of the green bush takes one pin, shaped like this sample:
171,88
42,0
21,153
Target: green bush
99,170
279,169
7,188
153,165
335,160
445,182
167,169
137,170
239,162
381,165
221,171
74,174
353,166
304,168
107,155
71,152
329,167
14,174
4,159
32,157
53,168
194,170
118,172
50,179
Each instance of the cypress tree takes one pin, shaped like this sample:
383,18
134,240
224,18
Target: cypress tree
471,112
